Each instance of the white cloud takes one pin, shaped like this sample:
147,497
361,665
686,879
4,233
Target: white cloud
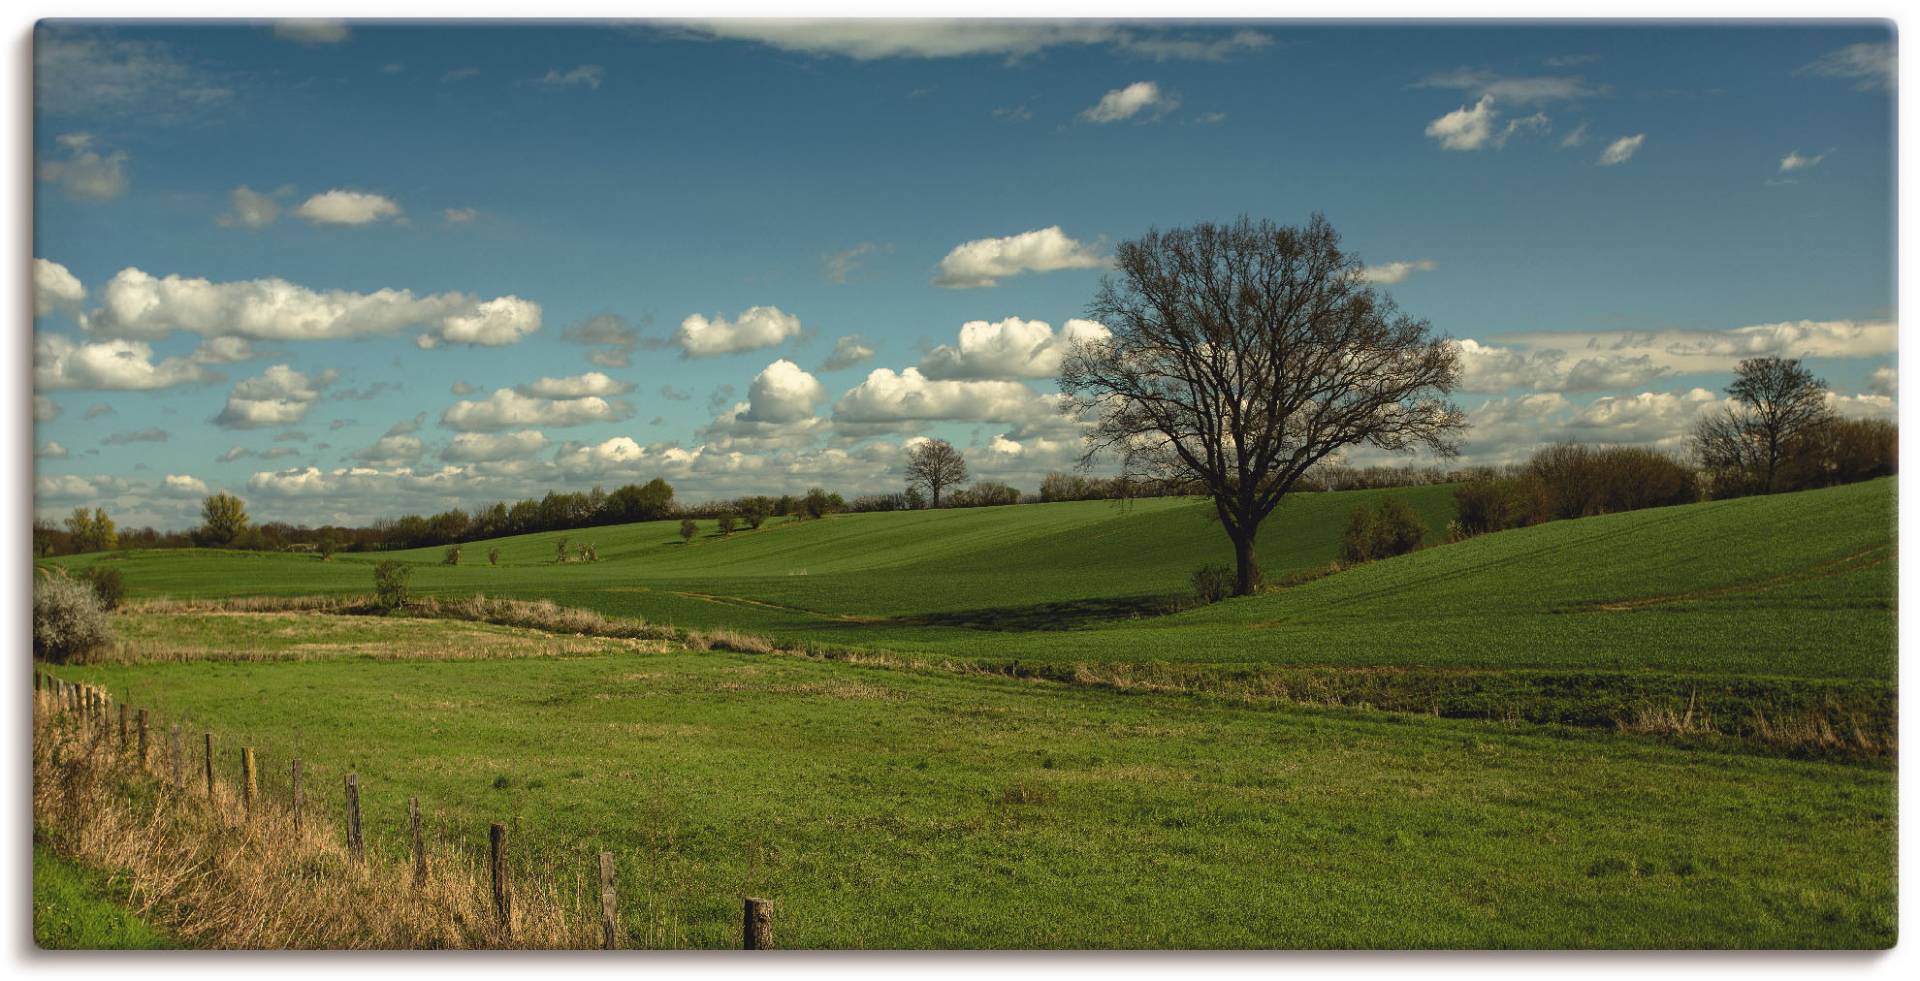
45,409
249,209
484,448
1389,273
574,386
909,396
847,352
508,409
1868,406
1694,351
51,450
460,216
1885,381
183,485
782,392
1576,138
587,75
1622,150
343,207
839,267
393,449
1012,348
1795,160
1491,368
90,75
1465,128
136,304
223,350
311,31
1872,65
1131,101
278,396
982,262
85,174
60,362
54,288
758,327
867,40
1521,90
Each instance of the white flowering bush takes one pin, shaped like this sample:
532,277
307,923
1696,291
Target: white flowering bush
68,620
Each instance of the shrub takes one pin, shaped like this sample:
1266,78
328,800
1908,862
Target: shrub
688,529
453,556
560,549
68,620
107,584
1356,543
1488,503
493,555
1394,529
390,584
327,546
755,510
726,524
1212,583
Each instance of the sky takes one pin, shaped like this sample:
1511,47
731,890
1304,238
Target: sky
353,270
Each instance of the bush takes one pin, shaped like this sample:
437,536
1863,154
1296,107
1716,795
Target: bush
390,584
453,556
493,555
1356,543
68,620
1212,583
754,511
107,584
1394,529
726,524
688,529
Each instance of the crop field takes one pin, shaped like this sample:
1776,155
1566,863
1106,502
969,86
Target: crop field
1565,735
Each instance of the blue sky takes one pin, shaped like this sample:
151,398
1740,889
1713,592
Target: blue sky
226,215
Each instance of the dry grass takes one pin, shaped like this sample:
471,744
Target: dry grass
215,877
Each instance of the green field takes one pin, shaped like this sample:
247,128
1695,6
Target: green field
895,806
78,909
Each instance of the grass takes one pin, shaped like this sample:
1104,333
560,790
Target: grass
885,808
75,908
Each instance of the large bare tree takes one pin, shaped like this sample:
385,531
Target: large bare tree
1243,354
934,464
1778,405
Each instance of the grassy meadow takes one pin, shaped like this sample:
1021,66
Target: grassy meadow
1665,728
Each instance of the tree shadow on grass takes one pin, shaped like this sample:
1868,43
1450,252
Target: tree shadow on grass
1062,615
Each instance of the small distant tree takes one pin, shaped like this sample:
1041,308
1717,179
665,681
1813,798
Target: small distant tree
390,580
1778,404
688,529
915,499
935,464
223,518
589,553
560,549
92,531
453,556
754,511
107,584
327,545
493,555
818,503
726,524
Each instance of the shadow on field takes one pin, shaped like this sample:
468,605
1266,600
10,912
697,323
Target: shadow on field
1061,615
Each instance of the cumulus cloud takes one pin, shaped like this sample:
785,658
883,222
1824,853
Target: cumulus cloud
1473,127
887,397
278,396
311,31
1872,66
1492,368
783,392
1695,351
1621,150
982,262
85,174
1795,160
847,352
51,450
115,365
756,328
223,350
485,448
249,209
615,337
395,448
1885,381
1130,101
183,485
587,75
135,304
508,409
1389,273
343,207
1008,349
55,289
574,386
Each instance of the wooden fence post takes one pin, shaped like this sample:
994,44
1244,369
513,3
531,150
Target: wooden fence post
177,753
609,907
249,782
419,843
299,798
757,929
502,900
209,766
123,727
142,748
356,845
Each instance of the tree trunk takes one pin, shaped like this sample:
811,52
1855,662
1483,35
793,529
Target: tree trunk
1246,566
936,496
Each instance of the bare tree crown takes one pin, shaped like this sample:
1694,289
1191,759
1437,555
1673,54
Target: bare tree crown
935,464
